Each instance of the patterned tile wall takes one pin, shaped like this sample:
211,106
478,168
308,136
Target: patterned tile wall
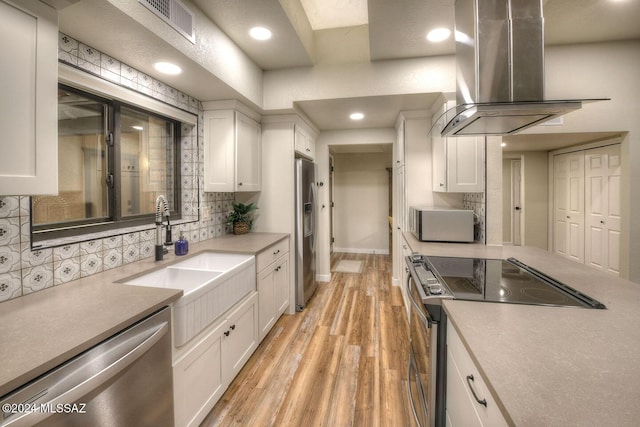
476,202
23,270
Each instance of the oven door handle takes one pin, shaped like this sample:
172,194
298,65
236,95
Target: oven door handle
419,307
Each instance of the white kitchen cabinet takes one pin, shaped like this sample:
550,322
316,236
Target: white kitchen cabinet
273,285
457,162
240,337
28,109
305,143
232,152
469,402
202,373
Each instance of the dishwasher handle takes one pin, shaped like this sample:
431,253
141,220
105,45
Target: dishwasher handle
115,365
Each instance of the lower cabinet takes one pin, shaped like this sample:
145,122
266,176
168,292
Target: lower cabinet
202,374
273,285
469,402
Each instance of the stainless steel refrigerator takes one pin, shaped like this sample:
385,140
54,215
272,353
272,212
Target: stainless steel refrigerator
305,278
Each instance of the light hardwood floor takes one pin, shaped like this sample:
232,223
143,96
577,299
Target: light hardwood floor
340,362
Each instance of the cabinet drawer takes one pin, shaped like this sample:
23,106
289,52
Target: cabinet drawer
272,253
462,378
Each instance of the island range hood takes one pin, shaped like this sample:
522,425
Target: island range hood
500,69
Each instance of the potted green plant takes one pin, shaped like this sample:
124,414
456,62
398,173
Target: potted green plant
240,217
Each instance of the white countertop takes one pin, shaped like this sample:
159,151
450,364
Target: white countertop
554,366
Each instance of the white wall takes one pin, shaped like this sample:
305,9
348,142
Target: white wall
328,81
361,196
536,198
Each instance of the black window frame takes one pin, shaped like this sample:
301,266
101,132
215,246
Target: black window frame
115,220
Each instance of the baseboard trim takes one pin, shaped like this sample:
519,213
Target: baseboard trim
323,277
362,251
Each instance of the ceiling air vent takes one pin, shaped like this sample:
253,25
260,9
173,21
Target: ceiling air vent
174,13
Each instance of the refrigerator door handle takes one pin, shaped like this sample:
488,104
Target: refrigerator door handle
312,197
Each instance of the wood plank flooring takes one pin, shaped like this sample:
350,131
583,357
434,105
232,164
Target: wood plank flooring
340,362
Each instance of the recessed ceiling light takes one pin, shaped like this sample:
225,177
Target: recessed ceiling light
167,68
504,144
260,33
438,34
356,116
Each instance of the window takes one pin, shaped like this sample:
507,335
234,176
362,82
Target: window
113,161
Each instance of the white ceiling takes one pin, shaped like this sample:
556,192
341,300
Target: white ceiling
396,30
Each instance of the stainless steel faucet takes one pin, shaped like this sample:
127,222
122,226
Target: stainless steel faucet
162,210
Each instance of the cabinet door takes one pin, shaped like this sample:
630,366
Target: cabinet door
240,337
267,300
248,154
465,164
198,379
439,159
219,151
28,109
469,402
304,143
281,280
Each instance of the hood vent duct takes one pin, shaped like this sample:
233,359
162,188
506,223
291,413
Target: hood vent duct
500,69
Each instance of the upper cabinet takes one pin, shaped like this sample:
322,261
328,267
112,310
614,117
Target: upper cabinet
28,108
232,152
305,142
458,162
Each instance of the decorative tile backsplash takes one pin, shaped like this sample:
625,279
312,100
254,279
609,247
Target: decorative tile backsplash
476,202
23,270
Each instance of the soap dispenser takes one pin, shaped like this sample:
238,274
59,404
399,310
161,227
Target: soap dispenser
182,245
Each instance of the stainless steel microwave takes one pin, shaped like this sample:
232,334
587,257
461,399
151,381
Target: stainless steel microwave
441,224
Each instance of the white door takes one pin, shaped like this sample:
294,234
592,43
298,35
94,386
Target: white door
576,207
516,202
569,206
602,204
560,203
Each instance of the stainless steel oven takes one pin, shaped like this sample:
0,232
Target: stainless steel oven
427,328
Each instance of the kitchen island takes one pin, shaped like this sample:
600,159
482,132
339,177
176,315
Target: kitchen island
43,329
553,366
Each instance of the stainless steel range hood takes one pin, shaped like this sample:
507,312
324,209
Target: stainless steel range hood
500,69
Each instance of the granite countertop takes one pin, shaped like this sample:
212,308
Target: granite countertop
553,366
43,329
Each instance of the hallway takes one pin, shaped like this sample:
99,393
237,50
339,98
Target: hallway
341,362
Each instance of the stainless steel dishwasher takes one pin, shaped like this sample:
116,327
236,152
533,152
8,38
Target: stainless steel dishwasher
124,381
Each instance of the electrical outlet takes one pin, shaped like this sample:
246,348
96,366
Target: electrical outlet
206,213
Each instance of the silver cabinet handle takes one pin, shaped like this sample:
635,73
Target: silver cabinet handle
475,396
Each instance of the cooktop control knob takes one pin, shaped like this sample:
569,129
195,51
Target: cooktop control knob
435,290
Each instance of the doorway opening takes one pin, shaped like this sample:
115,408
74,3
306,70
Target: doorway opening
360,198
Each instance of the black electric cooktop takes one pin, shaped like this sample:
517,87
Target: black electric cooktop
508,281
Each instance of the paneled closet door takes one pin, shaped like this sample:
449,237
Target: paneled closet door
602,203
569,206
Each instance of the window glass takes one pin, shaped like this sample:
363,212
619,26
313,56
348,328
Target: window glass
82,163
147,156
114,160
